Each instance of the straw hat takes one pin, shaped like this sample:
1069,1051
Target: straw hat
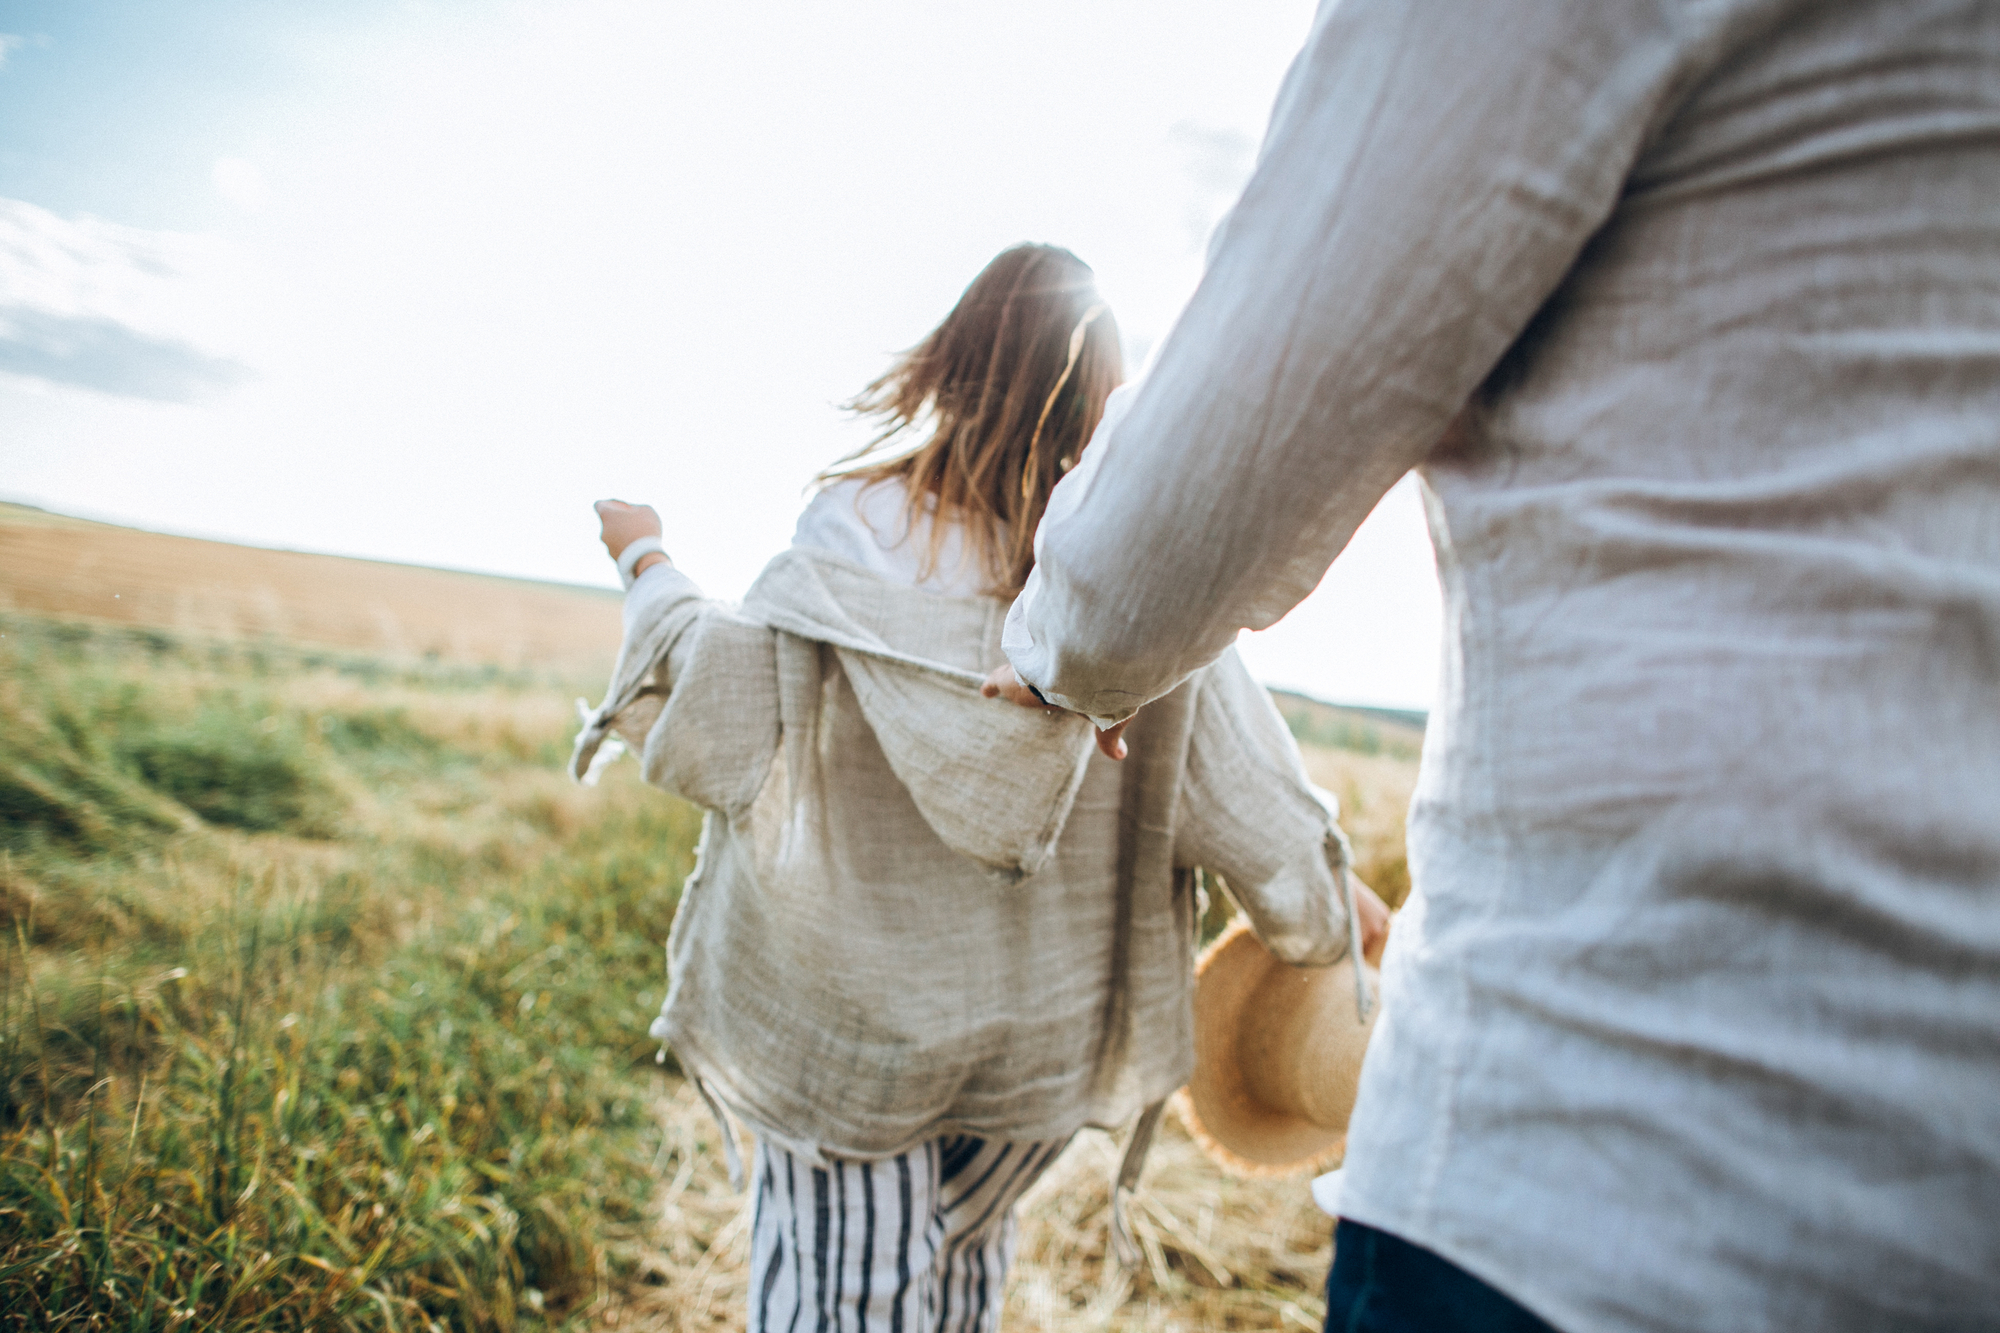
1277,1057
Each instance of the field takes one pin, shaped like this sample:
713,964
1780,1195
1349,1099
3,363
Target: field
324,997
52,564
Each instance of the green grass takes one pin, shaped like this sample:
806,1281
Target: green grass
1394,733
323,995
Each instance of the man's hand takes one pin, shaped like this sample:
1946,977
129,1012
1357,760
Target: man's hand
624,524
1374,914
1004,683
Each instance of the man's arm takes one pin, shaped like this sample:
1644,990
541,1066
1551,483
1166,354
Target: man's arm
1430,174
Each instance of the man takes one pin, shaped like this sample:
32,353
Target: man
1692,1022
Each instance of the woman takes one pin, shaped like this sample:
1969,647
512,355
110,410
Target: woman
930,936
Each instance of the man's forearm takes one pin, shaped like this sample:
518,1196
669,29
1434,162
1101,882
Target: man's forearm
1426,184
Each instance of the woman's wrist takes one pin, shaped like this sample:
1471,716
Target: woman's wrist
639,553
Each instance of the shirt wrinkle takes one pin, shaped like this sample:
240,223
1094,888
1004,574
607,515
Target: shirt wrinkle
1720,549
918,911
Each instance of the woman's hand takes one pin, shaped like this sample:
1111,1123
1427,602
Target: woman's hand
1005,683
624,524
1374,914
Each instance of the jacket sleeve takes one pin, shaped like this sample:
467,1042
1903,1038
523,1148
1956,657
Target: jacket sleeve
695,691
1428,178
1249,813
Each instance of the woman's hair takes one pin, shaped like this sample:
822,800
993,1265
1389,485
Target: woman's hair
1007,390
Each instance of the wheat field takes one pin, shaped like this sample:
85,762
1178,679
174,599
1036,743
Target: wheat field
323,1000
55,565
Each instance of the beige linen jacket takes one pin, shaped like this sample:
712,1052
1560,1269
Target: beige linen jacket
916,911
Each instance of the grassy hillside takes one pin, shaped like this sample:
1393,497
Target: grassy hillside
323,992
1395,732
55,565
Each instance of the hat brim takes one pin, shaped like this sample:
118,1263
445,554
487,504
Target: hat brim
1240,1133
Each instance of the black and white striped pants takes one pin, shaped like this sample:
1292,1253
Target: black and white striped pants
918,1243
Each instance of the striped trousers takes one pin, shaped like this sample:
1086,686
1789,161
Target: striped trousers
918,1243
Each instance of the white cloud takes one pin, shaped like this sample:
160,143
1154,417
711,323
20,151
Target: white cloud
239,181
499,261
116,309
10,42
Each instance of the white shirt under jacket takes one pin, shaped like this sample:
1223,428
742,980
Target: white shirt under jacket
1694,1020
870,527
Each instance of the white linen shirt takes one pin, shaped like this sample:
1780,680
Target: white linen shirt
870,527
1694,1020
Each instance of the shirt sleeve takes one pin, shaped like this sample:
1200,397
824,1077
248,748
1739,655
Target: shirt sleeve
1429,175
695,691
718,729
1249,814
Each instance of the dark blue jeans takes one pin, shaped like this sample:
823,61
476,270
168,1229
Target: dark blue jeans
1380,1284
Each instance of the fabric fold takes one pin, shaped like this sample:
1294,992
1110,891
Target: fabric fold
918,912
994,782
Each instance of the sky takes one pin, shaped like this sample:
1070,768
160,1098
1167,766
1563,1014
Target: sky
420,279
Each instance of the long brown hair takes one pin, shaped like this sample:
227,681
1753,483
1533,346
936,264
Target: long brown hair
1008,388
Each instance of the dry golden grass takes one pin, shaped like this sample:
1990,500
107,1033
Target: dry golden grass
437,782
1374,792
1220,1252
52,565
